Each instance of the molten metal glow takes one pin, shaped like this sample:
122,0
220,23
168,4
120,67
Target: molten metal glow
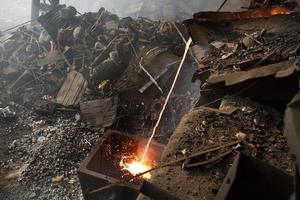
267,12
136,166
279,11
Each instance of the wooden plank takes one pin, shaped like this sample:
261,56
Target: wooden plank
72,90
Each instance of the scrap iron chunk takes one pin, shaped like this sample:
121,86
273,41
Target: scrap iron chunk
100,113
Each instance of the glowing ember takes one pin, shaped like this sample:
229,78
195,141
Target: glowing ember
136,166
279,11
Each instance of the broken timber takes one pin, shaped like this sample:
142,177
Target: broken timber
72,89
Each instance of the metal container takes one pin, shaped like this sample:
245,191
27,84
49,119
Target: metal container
101,167
250,178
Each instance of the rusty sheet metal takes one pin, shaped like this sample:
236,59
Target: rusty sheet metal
72,90
100,113
250,178
280,70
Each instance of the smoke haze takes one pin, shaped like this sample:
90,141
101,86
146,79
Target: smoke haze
13,12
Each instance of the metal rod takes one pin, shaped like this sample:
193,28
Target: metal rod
222,5
22,24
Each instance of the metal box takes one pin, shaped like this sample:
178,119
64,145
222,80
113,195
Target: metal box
101,167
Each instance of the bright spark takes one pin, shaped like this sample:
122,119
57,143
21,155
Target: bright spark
136,167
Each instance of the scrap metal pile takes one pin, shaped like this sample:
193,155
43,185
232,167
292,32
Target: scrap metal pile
69,77
248,58
64,79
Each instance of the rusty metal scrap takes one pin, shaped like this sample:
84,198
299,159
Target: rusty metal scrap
275,84
100,113
128,56
279,70
252,71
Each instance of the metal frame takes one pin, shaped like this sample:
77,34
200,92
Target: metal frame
91,180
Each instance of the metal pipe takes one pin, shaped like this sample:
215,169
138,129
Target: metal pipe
35,9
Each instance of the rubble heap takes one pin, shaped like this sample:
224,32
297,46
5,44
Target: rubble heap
55,79
247,50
